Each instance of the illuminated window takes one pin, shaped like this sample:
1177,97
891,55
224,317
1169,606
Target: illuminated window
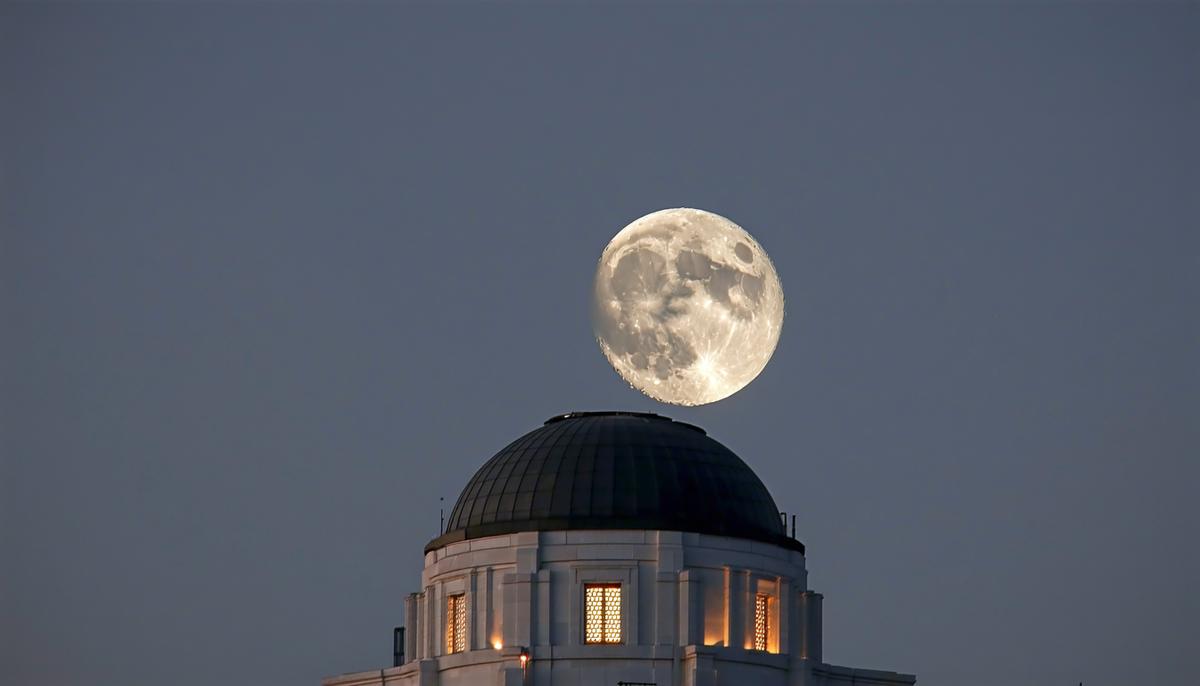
602,609
456,623
762,621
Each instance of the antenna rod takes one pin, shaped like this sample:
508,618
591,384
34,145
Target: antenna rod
441,516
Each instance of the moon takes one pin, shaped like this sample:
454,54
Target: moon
686,306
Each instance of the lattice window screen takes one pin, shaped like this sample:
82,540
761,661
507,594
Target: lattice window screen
602,613
456,623
762,621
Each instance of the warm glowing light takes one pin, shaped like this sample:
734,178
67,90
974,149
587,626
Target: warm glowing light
456,623
762,621
497,645
602,613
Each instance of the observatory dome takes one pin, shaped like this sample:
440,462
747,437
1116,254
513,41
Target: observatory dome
615,470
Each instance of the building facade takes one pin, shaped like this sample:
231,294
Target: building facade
614,548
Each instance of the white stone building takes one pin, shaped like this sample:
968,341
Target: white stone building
611,547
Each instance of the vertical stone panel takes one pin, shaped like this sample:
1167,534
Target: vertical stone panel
812,625
412,617
543,607
519,606
666,617
508,591
691,615
746,596
433,626
783,615
474,642
735,608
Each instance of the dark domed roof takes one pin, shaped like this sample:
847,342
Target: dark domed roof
615,470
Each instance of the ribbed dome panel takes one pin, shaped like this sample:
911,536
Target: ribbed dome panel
615,470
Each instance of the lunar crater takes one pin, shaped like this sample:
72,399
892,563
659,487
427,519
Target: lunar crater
687,306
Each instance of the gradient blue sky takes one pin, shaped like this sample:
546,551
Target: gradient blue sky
274,277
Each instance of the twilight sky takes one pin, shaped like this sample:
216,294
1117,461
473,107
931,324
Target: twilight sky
275,277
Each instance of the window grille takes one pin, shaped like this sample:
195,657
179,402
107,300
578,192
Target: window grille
762,621
602,613
456,623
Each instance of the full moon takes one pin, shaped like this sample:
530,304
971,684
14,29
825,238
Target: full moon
687,306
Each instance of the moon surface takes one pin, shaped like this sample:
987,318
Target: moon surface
686,306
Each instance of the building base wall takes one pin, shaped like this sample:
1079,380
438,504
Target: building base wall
687,614
692,666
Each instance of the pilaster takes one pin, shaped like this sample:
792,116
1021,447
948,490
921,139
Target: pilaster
412,616
543,607
691,615
812,624
666,616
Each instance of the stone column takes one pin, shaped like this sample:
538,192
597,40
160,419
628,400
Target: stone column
422,626
691,614
412,617
486,614
518,609
699,667
669,556
666,597
812,624
543,607
432,625
474,642
427,673
735,608
783,616
749,590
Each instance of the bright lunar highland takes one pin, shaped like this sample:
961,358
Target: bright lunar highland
687,306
